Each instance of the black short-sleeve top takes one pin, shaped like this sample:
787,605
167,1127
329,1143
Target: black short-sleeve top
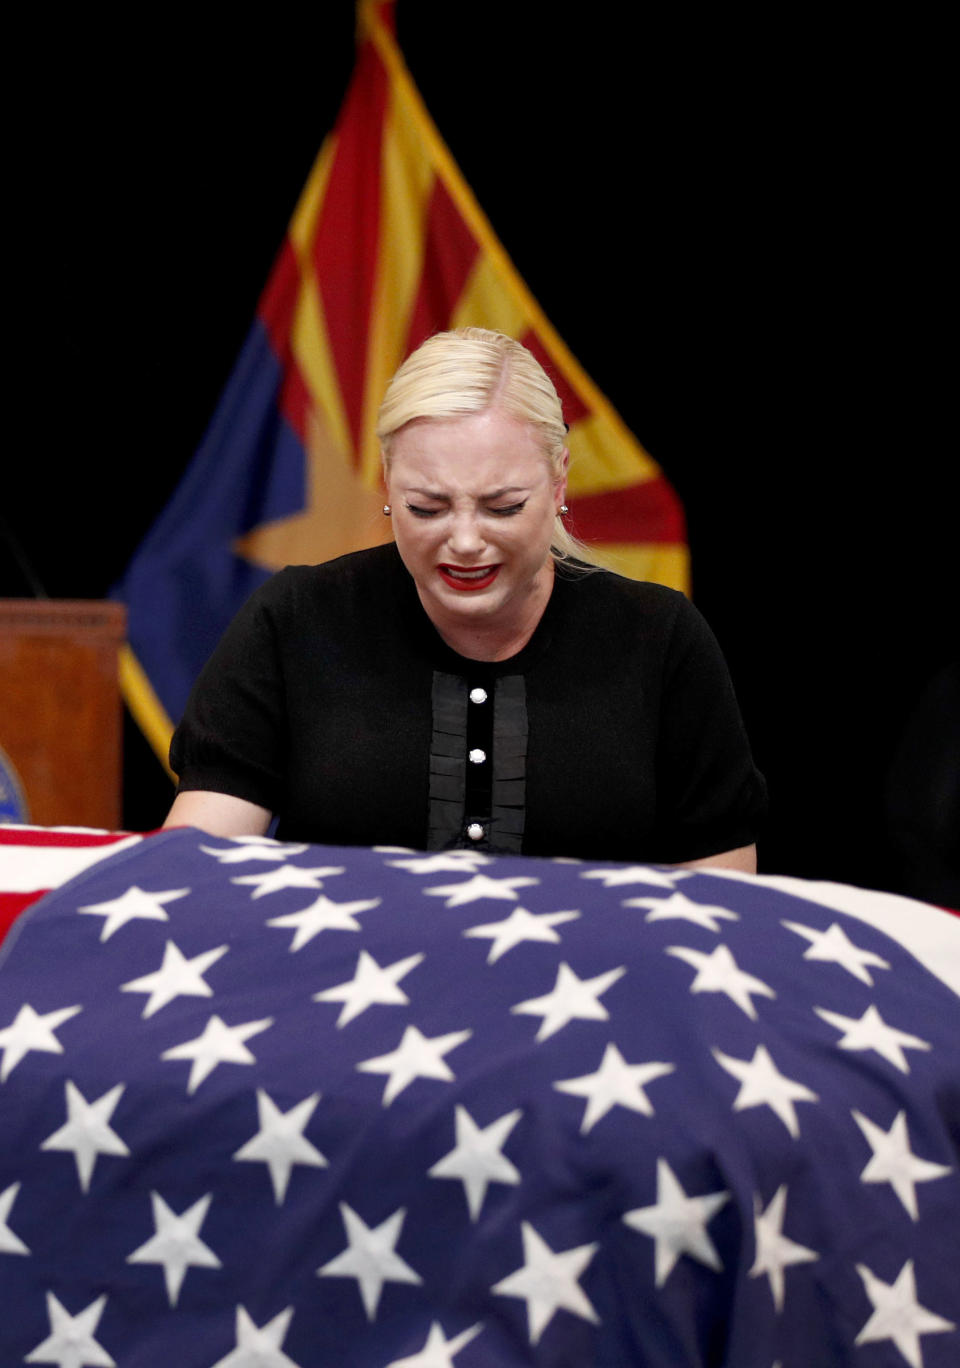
614,734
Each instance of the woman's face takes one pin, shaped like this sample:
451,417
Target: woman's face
474,502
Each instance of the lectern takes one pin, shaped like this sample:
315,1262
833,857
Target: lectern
60,711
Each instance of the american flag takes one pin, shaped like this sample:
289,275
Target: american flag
265,1105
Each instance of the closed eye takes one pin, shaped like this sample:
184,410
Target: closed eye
509,510
419,512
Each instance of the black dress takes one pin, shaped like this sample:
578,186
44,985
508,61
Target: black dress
613,734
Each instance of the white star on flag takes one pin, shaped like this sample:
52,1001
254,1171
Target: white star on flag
370,984
449,862
280,1142
287,876
176,977
323,915
871,1032
719,972
218,1044
176,1245
571,997
259,1347
370,1257
677,1224
134,905
548,1282
476,1160
897,1315
9,1242
521,925
438,1351
678,907
762,1085
629,874
893,1162
253,848
480,886
417,1056
31,1031
87,1131
774,1251
71,1342
834,946
615,1084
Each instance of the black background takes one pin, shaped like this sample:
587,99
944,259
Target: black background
738,225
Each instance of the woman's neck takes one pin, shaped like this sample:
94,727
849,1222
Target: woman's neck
495,638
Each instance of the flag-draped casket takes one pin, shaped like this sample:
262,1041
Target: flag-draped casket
274,1104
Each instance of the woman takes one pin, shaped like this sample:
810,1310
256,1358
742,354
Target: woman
476,684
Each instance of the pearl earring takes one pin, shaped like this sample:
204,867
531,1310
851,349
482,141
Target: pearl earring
387,510
563,510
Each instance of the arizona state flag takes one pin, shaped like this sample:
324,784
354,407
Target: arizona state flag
386,246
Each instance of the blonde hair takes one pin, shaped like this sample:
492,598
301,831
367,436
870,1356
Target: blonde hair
465,371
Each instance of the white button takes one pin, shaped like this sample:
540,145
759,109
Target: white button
478,695
475,831
477,757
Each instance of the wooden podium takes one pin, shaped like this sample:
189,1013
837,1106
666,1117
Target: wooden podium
60,710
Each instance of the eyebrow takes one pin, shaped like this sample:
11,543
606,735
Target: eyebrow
484,498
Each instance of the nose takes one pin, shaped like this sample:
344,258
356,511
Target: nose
465,537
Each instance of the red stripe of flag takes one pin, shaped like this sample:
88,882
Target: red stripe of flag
346,240
573,406
276,311
52,836
645,512
449,253
295,400
12,904
279,300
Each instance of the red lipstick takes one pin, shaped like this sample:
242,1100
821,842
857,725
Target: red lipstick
468,578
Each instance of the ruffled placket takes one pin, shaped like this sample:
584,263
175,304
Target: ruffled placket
478,760
478,748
